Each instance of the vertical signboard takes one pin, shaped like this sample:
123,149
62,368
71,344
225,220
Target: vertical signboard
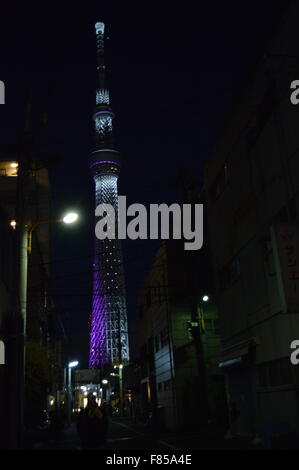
2,92
2,353
285,240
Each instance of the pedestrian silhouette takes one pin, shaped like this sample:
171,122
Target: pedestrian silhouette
90,425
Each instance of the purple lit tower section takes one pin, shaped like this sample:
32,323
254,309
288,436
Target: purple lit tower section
108,329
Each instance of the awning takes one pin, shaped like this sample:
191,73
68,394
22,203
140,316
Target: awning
234,354
231,362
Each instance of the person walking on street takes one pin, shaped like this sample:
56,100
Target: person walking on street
90,425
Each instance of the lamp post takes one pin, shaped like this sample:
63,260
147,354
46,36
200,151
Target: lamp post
25,246
104,383
196,328
205,299
69,218
71,365
121,392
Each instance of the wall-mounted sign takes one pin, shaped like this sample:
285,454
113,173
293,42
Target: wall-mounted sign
285,239
2,353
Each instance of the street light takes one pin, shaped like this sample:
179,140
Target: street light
71,365
70,218
205,298
13,224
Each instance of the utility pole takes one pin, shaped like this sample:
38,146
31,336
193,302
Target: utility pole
195,328
18,335
120,368
69,396
190,191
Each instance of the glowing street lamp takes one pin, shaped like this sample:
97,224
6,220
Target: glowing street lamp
205,298
70,218
121,391
73,364
13,224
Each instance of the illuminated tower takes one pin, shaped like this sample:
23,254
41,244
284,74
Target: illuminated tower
108,328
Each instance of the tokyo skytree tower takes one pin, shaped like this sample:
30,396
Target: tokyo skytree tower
108,323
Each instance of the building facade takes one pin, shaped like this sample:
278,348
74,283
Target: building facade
252,195
43,346
176,343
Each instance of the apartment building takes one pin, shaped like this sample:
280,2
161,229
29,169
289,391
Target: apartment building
252,202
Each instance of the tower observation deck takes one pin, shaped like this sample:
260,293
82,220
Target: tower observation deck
108,323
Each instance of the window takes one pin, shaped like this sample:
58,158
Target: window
140,311
160,387
167,385
275,373
216,326
229,273
164,337
219,183
211,326
148,298
263,375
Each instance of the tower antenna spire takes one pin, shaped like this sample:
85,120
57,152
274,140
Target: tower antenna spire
103,114
100,29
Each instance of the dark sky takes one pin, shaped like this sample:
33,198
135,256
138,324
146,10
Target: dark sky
175,70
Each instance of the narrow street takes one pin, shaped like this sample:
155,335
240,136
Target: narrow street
126,435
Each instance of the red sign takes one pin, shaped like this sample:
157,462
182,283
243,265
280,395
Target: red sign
285,240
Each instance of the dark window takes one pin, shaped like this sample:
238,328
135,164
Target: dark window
275,373
157,343
219,183
285,367
274,379
167,385
263,375
216,326
148,298
164,337
230,273
140,311
160,387
211,326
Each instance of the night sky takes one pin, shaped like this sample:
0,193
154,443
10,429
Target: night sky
175,70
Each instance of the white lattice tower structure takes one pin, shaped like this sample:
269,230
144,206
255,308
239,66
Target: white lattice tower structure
108,323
